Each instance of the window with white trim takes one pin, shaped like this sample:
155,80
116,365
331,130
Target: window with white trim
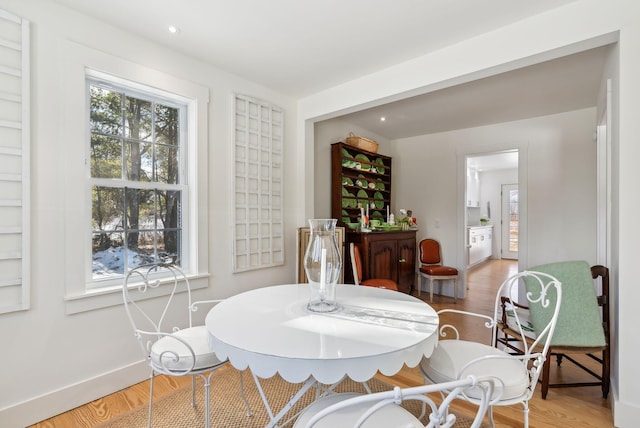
138,177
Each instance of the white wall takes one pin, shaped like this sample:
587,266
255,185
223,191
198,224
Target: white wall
577,26
53,361
327,133
561,183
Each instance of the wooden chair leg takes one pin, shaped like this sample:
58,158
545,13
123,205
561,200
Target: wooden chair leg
431,289
606,372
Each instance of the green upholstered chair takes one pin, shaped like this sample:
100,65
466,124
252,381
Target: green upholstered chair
582,326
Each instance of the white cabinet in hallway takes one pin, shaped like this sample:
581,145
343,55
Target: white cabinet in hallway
479,243
473,188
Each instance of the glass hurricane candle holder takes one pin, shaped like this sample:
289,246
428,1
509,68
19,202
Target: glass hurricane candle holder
322,264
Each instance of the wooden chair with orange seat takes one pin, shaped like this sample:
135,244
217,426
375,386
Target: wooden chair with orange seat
431,267
356,265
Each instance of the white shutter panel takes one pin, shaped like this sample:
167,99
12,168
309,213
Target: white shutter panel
14,163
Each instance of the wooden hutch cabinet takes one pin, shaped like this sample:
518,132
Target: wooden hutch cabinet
359,179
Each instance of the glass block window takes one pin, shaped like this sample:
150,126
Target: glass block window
258,219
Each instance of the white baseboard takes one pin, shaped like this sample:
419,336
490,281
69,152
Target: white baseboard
625,415
56,402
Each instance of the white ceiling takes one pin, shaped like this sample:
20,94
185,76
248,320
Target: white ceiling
299,47
556,86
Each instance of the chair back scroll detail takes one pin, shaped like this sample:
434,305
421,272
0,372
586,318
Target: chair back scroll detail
151,324
373,410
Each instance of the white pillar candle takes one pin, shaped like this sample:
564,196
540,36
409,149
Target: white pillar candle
323,270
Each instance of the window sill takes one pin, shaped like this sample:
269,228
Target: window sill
112,296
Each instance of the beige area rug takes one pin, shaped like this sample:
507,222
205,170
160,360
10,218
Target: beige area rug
227,408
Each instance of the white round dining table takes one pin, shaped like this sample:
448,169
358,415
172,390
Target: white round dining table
270,330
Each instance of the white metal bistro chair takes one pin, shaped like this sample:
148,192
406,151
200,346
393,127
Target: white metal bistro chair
456,359
382,409
171,344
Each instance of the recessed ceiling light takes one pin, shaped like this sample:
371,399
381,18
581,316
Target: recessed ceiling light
382,119
173,29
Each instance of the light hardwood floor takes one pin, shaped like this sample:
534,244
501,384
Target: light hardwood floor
564,407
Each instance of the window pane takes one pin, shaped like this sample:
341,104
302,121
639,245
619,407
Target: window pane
108,233
169,208
139,162
105,111
167,164
514,219
140,208
138,123
145,245
107,208
106,157
169,246
167,129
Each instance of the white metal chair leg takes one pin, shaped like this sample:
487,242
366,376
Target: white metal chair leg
431,289
207,397
193,390
490,413
150,399
526,414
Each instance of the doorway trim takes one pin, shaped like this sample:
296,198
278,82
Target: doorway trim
603,194
472,150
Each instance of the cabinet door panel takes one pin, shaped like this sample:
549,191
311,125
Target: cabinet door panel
475,251
406,264
383,261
